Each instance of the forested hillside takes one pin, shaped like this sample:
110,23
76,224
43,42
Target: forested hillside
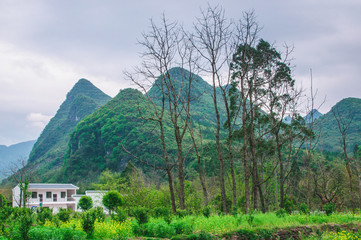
47,154
344,117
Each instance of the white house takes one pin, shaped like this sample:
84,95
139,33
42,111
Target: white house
97,197
49,195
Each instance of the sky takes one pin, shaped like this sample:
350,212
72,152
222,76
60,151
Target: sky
46,46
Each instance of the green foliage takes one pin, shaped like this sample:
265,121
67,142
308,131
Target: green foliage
121,215
281,212
46,233
43,214
3,201
206,211
329,208
112,200
64,214
182,227
141,214
217,201
85,203
87,220
289,205
25,222
303,207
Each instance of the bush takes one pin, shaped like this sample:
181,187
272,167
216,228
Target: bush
304,208
329,208
289,205
25,222
87,221
281,213
3,201
43,214
206,211
112,200
141,214
85,203
98,213
182,227
157,228
45,233
182,213
121,215
64,214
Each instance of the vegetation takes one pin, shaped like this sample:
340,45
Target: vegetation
85,203
185,159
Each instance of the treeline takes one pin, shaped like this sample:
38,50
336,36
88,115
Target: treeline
262,162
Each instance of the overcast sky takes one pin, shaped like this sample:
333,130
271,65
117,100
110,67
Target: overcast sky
47,46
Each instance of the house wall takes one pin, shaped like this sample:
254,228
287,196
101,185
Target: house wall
16,196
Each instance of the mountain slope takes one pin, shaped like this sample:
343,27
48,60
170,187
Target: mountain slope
13,153
348,111
47,153
99,140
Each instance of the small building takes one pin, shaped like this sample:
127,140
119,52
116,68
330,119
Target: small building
49,195
97,197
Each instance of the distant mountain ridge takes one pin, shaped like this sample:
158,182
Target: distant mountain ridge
13,153
314,114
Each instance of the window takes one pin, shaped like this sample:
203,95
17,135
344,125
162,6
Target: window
63,194
34,195
55,198
48,194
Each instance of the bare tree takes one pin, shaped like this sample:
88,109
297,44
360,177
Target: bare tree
211,40
343,123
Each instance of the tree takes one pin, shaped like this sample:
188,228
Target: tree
85,203
3,201
112,200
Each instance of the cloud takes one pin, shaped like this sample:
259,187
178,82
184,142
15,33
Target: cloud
38,120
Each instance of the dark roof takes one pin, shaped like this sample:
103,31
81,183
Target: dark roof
52,186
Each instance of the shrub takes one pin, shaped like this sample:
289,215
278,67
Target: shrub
206,211
3,201
98,213
304,208
87,221
157,228
329,208
289,205
43,214
112,200
121,215
85,203
45,233
64,214
25,222
161,212
182,213
281,213
182,227
141,214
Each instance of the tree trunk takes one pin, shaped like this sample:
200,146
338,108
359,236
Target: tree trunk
219,150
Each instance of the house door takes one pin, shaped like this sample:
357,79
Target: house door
41,198
55,198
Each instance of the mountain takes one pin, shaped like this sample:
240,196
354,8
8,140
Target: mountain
348,111
312,114
12,154
47,154
97,142
118,132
